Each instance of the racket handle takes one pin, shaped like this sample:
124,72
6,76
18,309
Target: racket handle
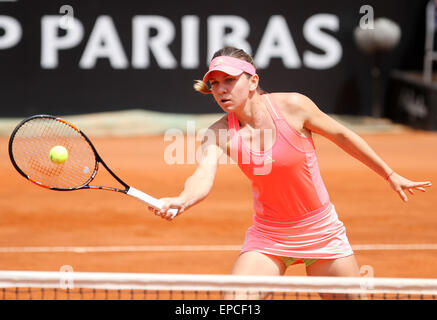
156,203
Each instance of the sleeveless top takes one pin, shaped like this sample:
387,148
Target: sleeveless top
286,180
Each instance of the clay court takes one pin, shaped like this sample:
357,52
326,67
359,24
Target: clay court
89,224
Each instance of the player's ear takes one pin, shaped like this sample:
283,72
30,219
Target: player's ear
253,82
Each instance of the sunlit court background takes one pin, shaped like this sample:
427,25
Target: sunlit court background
86,221
98,231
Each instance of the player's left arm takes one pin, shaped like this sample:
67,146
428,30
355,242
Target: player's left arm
315,120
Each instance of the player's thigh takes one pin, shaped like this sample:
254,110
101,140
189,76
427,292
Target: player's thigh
255,264
341,267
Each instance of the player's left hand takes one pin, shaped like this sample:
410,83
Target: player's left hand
399,184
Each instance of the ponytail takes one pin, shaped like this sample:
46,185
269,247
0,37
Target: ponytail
201,87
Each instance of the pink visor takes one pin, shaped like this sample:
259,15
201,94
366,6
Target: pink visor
229,65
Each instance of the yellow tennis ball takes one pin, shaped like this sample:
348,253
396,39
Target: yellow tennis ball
58,154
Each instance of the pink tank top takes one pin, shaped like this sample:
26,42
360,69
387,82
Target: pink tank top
286,180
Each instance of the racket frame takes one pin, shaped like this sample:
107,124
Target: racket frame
128,189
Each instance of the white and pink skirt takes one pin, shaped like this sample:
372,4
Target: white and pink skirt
316,236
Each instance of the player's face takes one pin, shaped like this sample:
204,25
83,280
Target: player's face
229,91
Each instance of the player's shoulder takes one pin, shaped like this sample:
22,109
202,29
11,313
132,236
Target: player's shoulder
293,102
215,133
220,124
290,99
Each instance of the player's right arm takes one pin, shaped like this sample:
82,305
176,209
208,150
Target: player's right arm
199,184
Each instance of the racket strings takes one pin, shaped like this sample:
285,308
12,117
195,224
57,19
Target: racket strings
31,151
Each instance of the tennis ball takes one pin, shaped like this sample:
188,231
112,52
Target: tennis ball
58,154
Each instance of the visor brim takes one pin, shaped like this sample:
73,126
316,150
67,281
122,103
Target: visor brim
226,69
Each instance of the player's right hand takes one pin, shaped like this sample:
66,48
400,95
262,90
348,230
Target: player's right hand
169,203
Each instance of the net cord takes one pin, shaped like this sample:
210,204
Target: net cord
136,281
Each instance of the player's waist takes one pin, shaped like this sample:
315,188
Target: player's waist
292,218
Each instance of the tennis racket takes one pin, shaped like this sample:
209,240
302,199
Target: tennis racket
29,148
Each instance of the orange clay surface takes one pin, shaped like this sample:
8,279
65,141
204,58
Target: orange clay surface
31,216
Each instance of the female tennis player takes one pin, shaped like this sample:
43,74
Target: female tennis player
269,136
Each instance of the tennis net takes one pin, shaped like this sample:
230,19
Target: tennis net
26,285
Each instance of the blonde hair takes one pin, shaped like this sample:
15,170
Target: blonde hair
202,87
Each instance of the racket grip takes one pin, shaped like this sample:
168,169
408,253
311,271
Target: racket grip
156,203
